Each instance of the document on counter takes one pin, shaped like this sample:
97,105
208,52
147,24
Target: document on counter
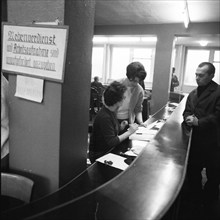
134,151
114,161
148,133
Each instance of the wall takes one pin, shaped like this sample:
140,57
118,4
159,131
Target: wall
48,140
165,34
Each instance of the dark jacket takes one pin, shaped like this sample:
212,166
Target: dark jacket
105,132
206,108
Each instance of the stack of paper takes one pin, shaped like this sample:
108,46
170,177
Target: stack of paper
147,134
134,151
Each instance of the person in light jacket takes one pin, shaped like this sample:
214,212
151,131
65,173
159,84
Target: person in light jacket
131,109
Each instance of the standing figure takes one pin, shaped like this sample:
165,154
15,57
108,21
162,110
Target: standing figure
174,81
131,109
202,114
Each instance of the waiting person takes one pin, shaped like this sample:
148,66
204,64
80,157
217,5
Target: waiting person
4,124
105,132
174,80
97,85
131,109
202,114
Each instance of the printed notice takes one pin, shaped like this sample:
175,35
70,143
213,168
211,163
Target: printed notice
29,88
36,50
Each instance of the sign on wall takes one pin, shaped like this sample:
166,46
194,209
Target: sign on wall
34,50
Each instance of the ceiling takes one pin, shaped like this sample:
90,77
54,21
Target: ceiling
139,12
134,12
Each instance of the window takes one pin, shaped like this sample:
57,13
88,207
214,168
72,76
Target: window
97,61
216,63
120,60
193,58
112,54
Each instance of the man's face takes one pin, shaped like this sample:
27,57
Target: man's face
202,77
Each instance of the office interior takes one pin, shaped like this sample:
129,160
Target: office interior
49,140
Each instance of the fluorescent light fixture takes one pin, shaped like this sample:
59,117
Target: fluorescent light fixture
203,43
186,19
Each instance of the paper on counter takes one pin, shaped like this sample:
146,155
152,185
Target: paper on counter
148,133
115,161
134,151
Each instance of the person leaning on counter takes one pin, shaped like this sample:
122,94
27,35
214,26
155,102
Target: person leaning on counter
131,109
106,128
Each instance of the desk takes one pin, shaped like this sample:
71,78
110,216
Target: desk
145,190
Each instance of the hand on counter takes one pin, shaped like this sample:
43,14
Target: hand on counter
142,125
132,128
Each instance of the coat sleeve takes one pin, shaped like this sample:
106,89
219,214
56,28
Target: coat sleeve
212,119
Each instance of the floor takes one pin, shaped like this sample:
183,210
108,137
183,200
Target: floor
189,210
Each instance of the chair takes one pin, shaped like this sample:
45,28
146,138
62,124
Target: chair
16,186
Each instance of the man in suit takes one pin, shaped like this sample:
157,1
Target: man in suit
202,114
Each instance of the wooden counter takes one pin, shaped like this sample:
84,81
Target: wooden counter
145,190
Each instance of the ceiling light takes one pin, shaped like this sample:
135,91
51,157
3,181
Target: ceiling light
186,19
203,43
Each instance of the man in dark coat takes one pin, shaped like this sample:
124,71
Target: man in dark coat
202,113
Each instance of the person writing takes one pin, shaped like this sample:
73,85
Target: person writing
131,108
202,114
106,128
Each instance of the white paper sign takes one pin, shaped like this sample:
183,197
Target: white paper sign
35,50
29,88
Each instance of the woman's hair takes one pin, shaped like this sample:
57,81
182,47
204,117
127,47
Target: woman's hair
114,93
136,69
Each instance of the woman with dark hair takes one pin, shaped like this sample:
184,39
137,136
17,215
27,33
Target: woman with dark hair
131,109
106,128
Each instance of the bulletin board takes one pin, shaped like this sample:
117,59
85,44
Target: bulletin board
34,50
